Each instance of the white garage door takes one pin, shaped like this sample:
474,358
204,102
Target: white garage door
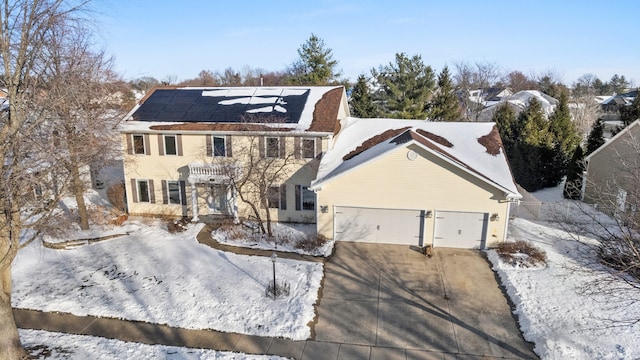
385,226
465,230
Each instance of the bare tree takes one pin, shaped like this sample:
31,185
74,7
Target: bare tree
27,190
82,104
479,76
261,164
607,224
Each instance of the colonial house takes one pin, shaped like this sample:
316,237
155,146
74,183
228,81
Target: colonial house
411,182
612,176
183,145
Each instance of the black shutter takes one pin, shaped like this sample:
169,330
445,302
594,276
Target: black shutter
318,147
160,144
283,197
183,192
134,190
209,146
227,143
129,145
261,146
282,143
152,194
165,195
298,197
179,144
297,147
147,145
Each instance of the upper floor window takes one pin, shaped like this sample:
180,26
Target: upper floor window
272,147
219,146
309,148
170,145
138,144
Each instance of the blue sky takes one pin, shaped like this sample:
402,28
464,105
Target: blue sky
162,38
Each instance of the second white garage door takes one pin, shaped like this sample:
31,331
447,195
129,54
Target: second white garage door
385,226
456,229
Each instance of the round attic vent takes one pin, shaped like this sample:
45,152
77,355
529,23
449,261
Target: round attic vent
412,155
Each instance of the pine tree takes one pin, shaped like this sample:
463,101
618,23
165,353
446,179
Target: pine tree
361,101
445,105
564,136
562,128
315,66
629,114
533,156
407,86
596,137
573,185
508,127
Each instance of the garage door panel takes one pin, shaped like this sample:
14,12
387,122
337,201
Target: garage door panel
460,229
388,226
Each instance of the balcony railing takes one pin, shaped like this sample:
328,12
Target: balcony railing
212,173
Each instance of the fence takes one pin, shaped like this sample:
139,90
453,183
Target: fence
528,207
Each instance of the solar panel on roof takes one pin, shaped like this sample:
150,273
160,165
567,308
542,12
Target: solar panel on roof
224,105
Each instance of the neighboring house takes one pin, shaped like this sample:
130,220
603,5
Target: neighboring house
613,104
489,96
415,182
612,176
518,102
180,142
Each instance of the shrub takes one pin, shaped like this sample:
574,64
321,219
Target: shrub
116,196
521,253
311,242
177,226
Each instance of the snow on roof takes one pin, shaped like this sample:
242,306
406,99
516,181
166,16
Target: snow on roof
465,150
295,105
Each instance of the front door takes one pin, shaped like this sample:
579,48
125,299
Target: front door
217,199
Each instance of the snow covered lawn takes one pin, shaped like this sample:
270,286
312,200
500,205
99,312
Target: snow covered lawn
289,237
554,314
154,276
66,346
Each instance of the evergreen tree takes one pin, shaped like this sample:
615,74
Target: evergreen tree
406,87
361,101
564,136
508,127
315,66
596,137
445,105
629,114
573,185
533,148
562,128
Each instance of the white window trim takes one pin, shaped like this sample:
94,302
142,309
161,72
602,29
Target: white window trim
133,144
175,143
302,148
177,182
266,146
213,145
138,181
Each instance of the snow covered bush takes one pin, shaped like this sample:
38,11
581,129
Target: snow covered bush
521,254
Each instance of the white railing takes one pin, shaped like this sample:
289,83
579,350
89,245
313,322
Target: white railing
212,173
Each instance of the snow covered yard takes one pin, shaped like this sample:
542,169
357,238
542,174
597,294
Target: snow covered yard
289,237
553,311
66,346
154,276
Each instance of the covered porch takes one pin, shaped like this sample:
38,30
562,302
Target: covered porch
219,195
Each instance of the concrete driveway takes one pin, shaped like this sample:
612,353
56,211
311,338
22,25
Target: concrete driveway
391,302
